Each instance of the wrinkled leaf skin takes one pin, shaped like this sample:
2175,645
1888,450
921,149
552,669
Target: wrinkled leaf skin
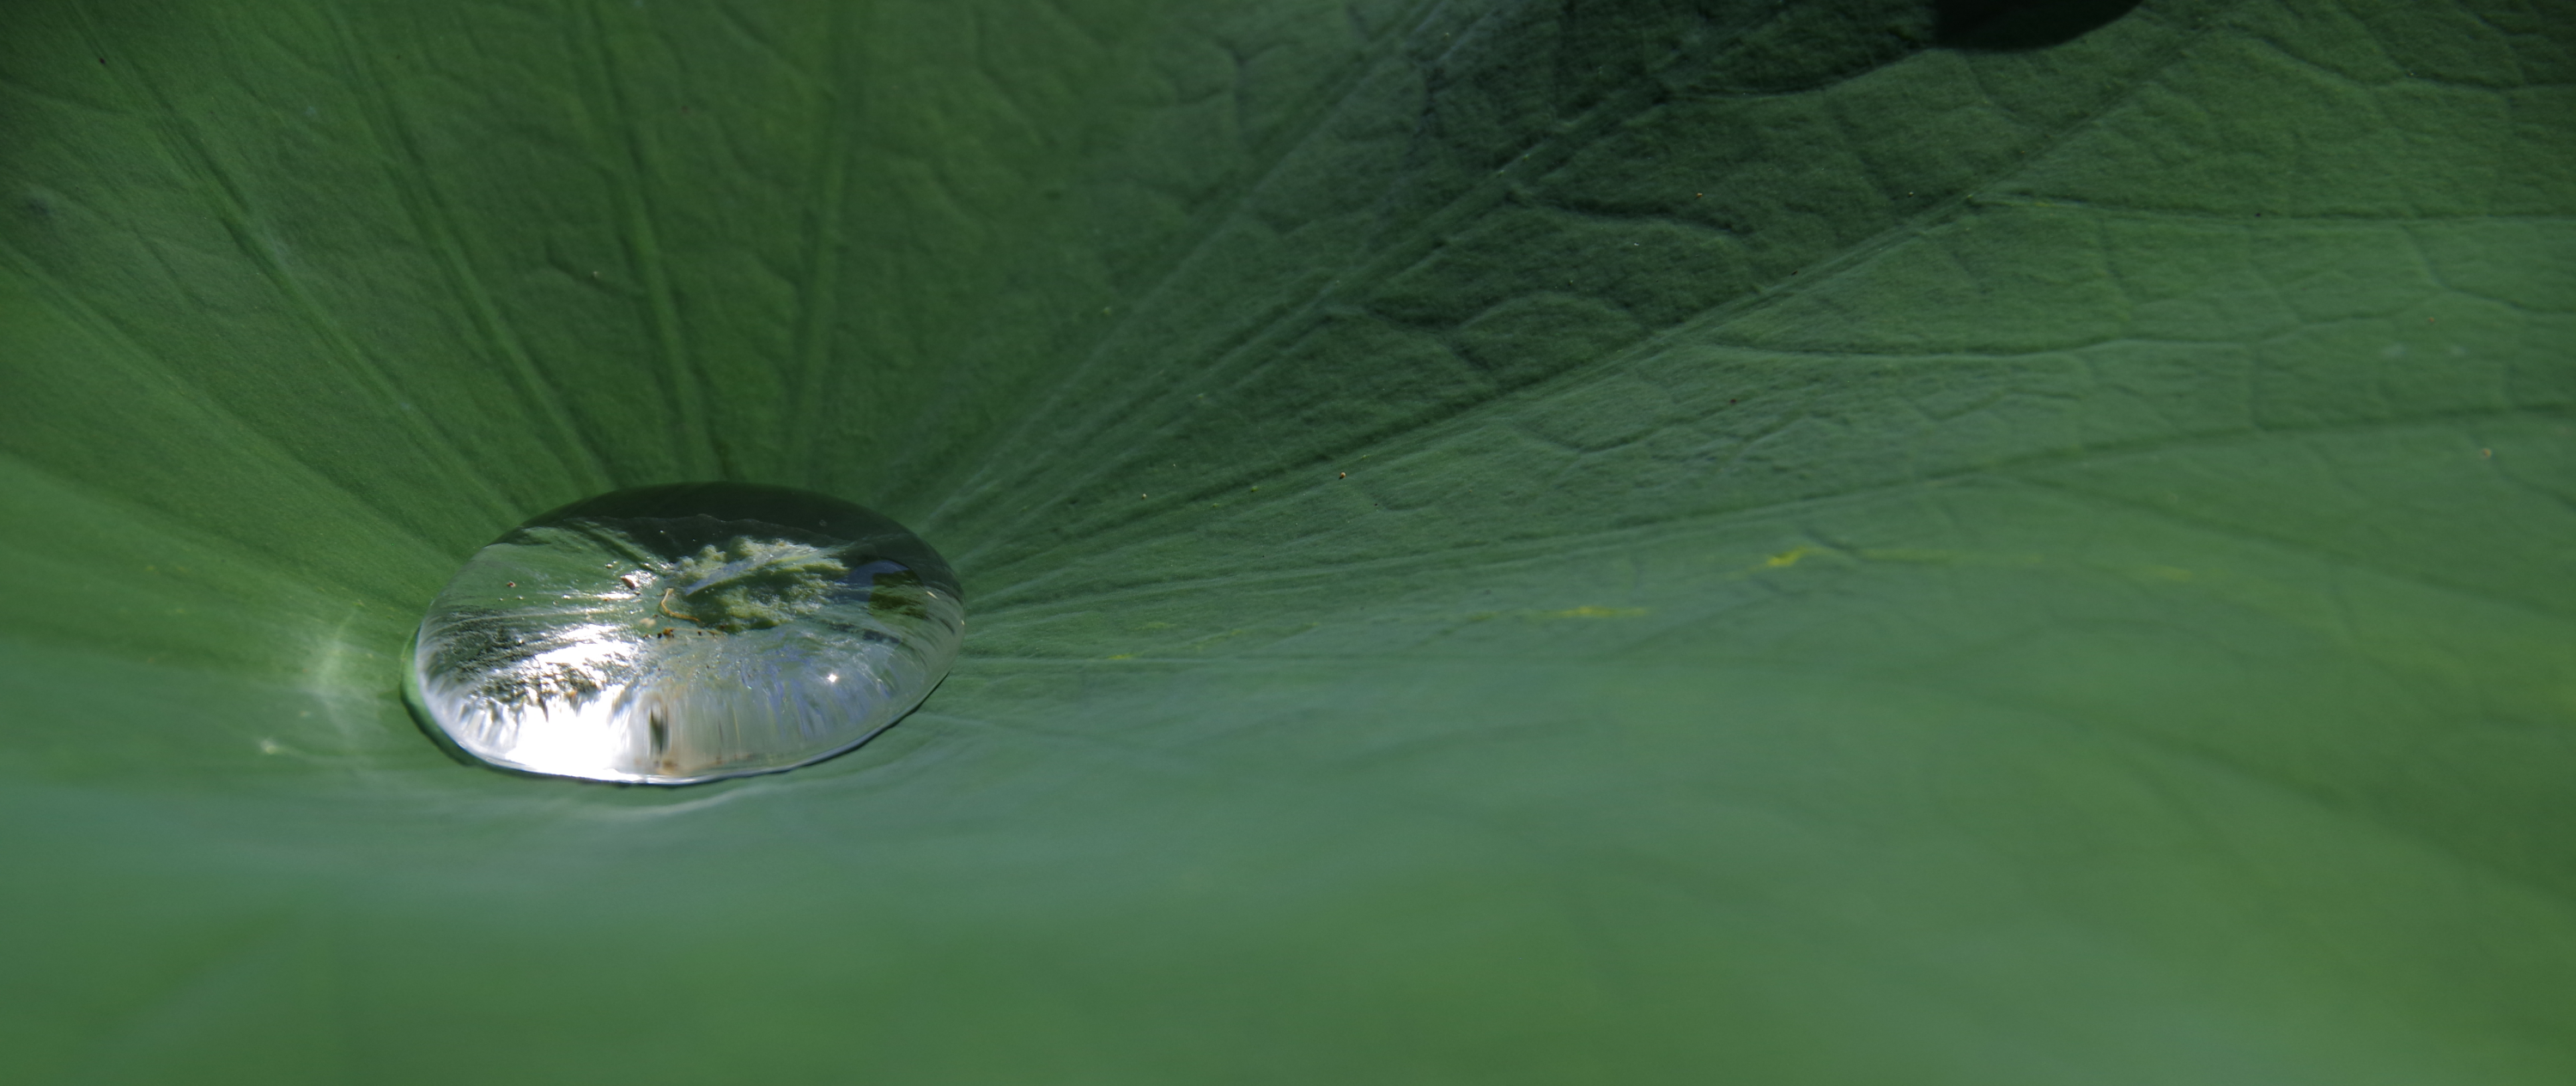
1839,542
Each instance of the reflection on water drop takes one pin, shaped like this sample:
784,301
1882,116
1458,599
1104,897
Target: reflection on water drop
686,633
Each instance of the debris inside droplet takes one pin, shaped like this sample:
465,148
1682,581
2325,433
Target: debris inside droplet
752,584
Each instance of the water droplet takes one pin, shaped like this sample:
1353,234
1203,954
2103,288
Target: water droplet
690,635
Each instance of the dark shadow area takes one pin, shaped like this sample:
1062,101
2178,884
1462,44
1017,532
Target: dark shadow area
2022,24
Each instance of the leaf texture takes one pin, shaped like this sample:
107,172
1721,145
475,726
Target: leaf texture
1550,542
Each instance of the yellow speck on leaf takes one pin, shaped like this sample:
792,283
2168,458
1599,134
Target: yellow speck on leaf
1589,611
1788,558
1124,656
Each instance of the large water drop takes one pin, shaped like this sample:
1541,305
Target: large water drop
678,634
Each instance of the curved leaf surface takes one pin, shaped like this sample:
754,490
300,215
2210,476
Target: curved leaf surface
1512,542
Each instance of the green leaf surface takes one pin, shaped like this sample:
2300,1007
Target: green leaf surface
1505,542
